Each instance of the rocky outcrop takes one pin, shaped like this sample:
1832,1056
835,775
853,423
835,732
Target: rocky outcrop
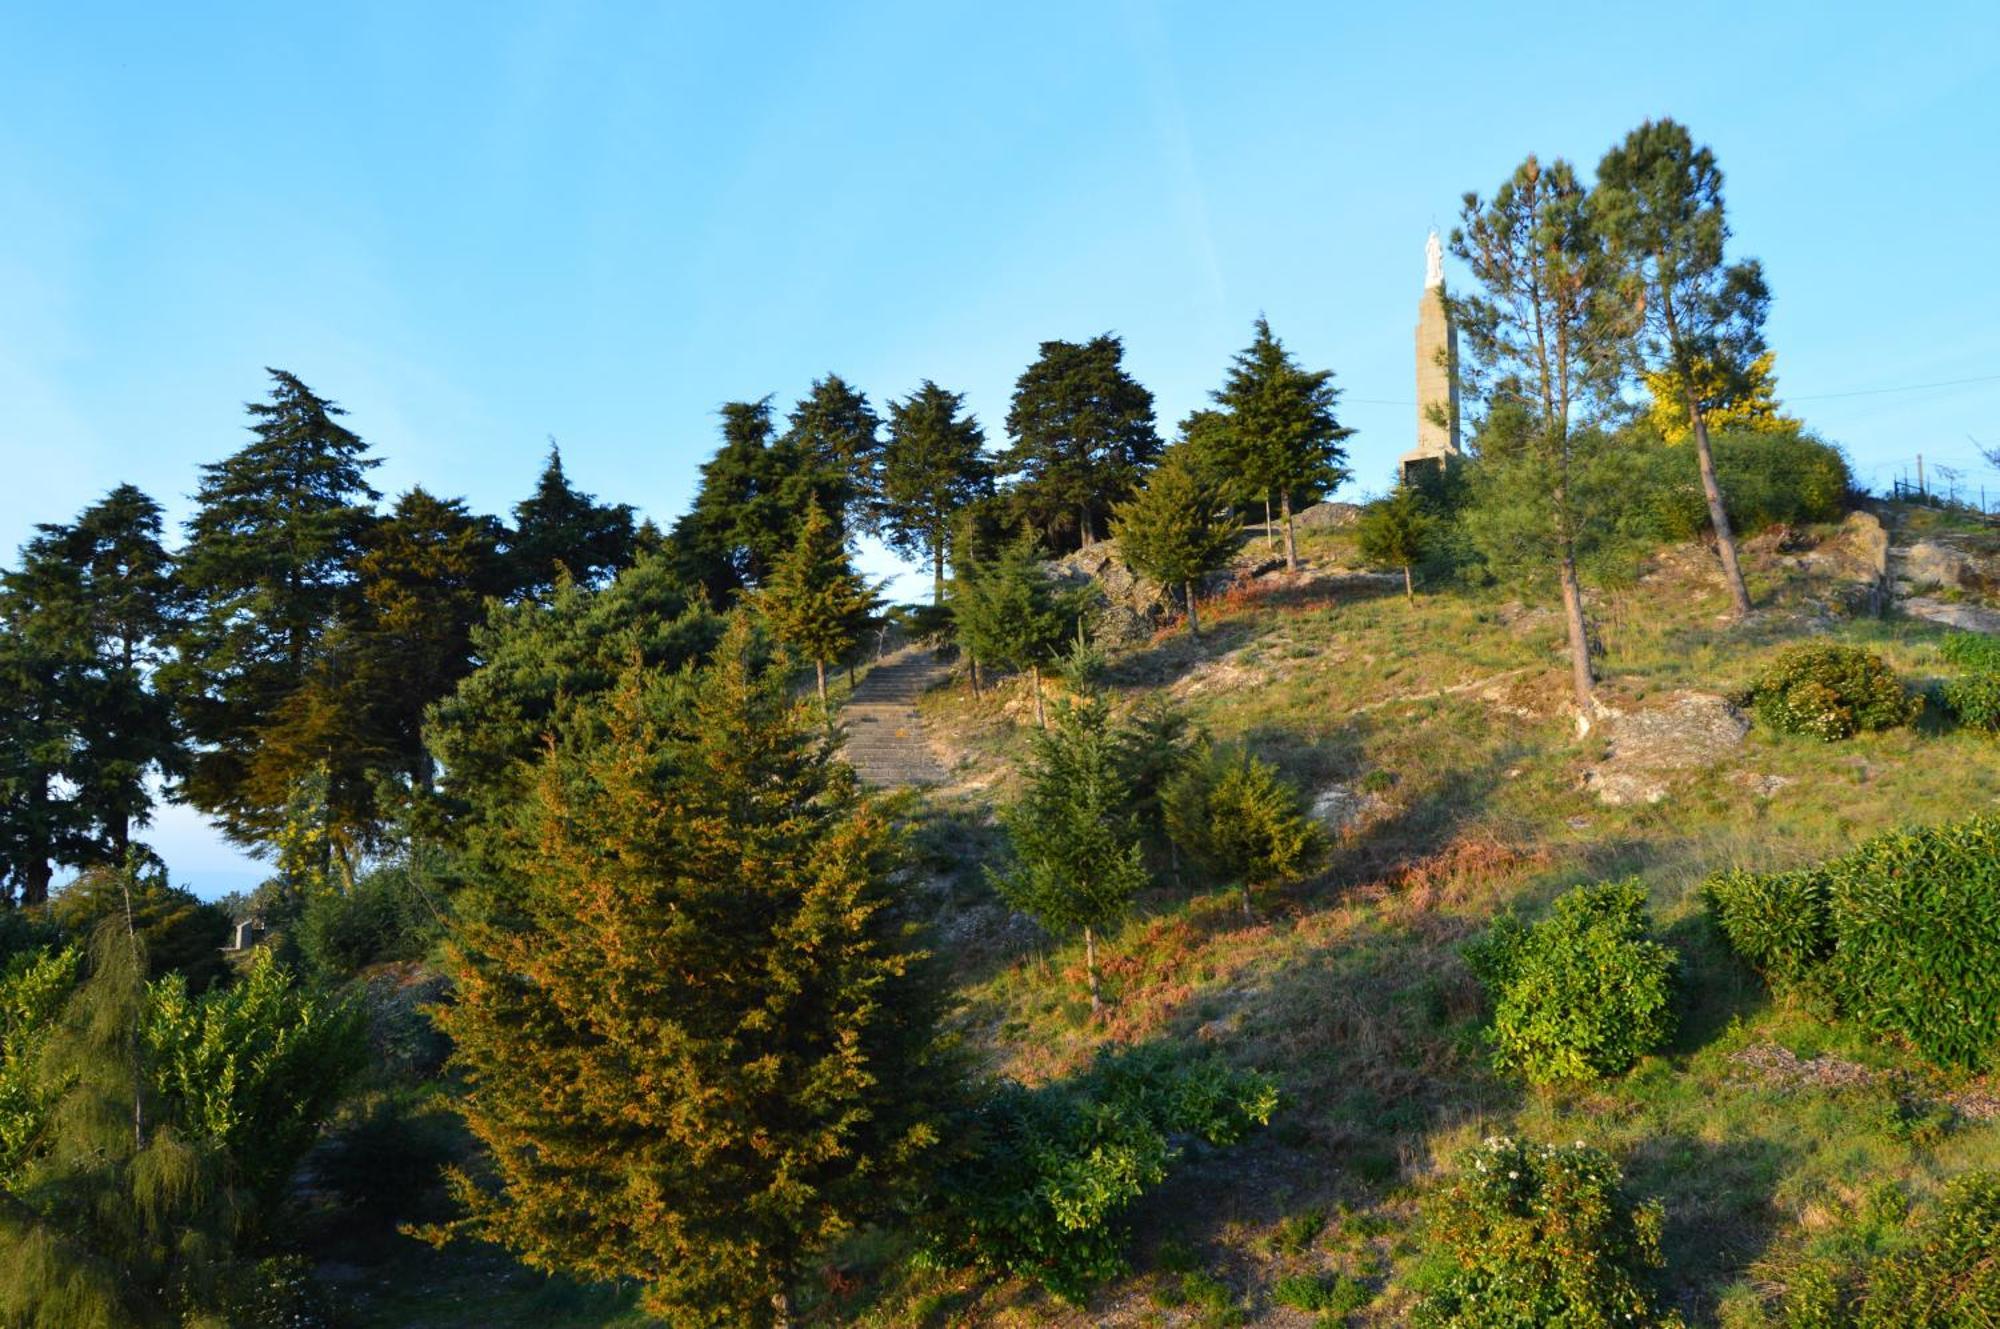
1134,606
1647,750
1327,516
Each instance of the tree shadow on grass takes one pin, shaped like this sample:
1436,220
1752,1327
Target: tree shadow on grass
1719,1215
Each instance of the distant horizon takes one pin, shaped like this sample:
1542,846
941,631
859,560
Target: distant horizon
478,228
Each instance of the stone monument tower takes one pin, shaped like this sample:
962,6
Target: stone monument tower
1437,369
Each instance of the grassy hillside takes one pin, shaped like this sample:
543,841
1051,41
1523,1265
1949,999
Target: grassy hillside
1766,1132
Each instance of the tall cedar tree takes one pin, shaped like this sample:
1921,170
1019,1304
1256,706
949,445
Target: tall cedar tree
1544,343
267,567
1083,435
561,531
1282,428
489,732
1659,204
817,604
837,436
695,1044
1011,612
426,573
1075,839
1175,529
44,671
933,464
754,492
1397,532
127,736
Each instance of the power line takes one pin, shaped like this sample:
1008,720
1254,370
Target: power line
1876,392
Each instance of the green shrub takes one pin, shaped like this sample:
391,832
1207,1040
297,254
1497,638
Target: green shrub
1902,934
1585,993
1044,1187
278,1292
1831,692
1974,700
1975,652
1540,1235
1949,1274
1778,921
387,916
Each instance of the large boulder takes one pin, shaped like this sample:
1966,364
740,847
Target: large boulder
1647,749
1327,516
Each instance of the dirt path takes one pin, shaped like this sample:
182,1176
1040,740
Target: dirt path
885,739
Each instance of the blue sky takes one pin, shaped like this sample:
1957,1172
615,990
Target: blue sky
478,226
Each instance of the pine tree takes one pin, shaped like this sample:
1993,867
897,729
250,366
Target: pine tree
1282,426
932,466
268,568
1544,347
1396,532
561,531
816,602
839,438
1012,613
44,665
1658,202
1174,530
693,1037
1236,817
1083,436
1075,841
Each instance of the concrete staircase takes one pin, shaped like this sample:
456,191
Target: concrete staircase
885,740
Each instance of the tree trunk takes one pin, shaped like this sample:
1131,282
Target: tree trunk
819,672
1035,681
1090,969
1409,586
1291,543
1270,526
1248,916
1194,622
937,576
781,1310
1582,679
1084,534
1718,516
973,661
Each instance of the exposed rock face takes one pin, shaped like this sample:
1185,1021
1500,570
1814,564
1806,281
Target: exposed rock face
1970,618
1341,808
1326,516
1134,605
1647,749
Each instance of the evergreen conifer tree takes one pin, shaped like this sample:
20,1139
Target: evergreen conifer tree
1658,201
816,602
1282,429
694,1041
1083,436
932,466
1396,532
1174,530
1235,816
561,530
1075,840
838,437
1011,613
268,568
753,494
44,665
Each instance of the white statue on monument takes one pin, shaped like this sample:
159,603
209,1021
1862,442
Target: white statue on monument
1433,262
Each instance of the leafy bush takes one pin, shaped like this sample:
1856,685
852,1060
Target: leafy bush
1541,1235
1051,1171
1947,1275
1587,992
389,915
1974,696
1776,920
1832,692
1235,816
1903,934
278,1292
